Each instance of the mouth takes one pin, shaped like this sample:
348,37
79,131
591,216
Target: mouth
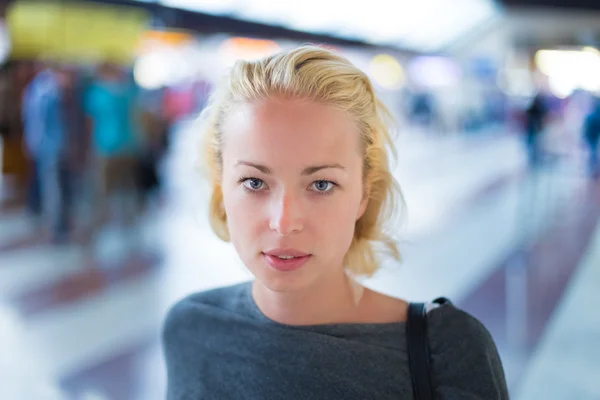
286,260
286,257
286,253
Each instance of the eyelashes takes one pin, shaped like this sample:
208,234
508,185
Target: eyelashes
327,182
248,179
254,185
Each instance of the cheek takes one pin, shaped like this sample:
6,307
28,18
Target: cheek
243,214
336,221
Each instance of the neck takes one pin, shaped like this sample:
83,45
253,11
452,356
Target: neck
335,300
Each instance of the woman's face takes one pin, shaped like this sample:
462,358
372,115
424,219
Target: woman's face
291,186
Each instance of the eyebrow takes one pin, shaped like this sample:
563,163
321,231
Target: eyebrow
307,171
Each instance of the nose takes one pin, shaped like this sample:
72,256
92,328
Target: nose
286,215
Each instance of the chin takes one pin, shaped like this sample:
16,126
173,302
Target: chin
282,282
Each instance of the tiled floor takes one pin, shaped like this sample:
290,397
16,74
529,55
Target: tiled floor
515,248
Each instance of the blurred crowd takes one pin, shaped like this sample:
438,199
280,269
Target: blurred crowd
568,123
87,138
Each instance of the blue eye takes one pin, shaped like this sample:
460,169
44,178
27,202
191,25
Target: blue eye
253,183
323,186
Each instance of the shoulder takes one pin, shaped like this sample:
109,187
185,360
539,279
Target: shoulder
454,331
465,359
211,315
89,93
202,305
92,89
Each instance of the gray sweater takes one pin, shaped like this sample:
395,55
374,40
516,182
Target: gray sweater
219,345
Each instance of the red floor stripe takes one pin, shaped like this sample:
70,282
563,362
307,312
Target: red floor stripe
543,270
90,281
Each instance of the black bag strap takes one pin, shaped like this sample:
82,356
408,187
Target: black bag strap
418,351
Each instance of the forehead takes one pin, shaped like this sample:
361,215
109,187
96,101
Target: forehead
290,132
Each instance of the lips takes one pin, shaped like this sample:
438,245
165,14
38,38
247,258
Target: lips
286,253
286,260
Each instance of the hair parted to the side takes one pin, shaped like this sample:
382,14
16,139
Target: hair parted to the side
320,75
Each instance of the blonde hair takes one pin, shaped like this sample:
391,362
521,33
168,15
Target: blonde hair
319,75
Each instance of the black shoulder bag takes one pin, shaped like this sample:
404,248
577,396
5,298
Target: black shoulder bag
418,351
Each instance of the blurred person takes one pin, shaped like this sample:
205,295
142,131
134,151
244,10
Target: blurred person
423,110
178,102
109,104
296,151
5,94
46,137
6,100
79,150
154,147
14,76
535,116
592,137
27,107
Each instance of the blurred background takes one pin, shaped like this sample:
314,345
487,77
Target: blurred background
103,211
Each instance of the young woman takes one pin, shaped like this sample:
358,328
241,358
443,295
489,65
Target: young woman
296,149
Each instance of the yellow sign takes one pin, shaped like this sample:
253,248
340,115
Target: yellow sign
74,32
